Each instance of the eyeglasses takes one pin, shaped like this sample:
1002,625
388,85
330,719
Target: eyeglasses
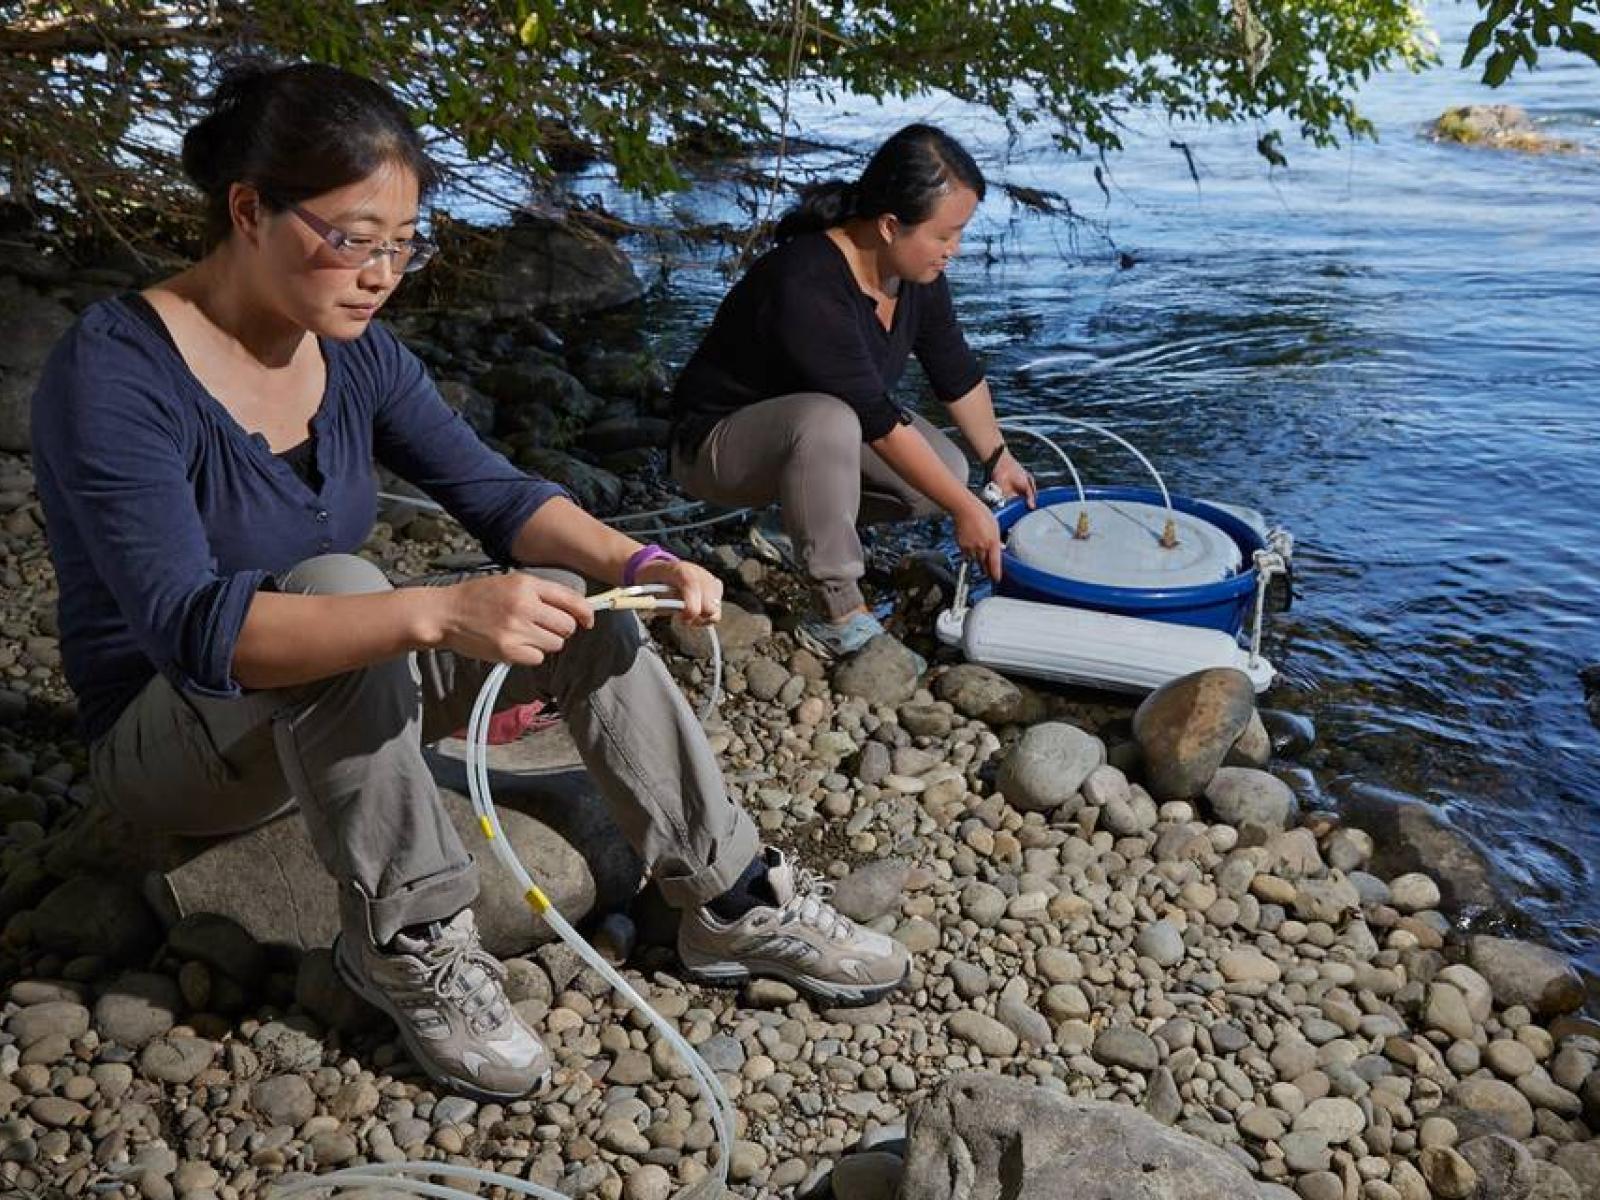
406,255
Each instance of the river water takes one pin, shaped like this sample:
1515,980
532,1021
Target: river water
1393,349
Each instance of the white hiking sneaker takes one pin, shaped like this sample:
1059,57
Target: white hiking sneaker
804,941
443,993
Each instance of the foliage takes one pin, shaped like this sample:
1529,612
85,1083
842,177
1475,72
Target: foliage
1518,29
97,92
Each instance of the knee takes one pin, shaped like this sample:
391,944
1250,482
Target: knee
334,575
824,425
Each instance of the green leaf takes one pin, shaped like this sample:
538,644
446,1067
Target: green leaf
1477,40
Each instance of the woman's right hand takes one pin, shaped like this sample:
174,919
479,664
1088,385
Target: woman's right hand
978,534
512,618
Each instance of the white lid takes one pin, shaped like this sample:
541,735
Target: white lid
1124,548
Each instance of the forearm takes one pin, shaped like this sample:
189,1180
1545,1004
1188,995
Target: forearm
560,534
974,416
287,640
915,461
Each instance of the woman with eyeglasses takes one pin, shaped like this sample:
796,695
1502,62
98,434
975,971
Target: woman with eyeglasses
790,398
204,452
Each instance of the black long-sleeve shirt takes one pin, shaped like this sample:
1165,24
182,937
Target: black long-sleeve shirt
799,322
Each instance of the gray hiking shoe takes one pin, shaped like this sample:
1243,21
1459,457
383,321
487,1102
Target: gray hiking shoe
443,993
804,941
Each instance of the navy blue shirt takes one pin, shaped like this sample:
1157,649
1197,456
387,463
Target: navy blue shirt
799,322
165,517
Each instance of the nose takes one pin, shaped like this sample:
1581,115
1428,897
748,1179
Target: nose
379,274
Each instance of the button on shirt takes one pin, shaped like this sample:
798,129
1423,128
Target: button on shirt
799,322
165,516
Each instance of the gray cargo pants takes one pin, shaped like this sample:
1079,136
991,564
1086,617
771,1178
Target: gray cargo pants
804,452
348,751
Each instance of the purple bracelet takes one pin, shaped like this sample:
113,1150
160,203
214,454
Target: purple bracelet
643,557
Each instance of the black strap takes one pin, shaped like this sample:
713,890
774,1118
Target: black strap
993,461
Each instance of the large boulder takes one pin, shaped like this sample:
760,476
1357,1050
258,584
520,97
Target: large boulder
1245,797
270,881
1185,729
1535,977
1500,126
984,694
536,403
987,1136
884,672
1048,765
33,323
556,267
593,489
93,914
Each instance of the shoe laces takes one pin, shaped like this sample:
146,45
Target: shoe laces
449,977
810,905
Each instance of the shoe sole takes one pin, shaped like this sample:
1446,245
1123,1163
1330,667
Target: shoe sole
816,645
464,1087
838,995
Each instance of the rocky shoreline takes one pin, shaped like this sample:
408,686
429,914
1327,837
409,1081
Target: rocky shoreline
1131,933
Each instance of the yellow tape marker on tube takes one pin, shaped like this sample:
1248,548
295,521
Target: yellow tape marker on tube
536,899
488,829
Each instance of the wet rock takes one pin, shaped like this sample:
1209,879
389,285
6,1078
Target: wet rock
1411,835
137,1008
884,672
1244,797
1048,765
1185,728
1537,978
1497,126
968,1139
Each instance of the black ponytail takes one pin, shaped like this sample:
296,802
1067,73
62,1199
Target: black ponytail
296,131
907,176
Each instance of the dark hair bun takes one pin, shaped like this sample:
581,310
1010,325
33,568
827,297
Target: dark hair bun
907,176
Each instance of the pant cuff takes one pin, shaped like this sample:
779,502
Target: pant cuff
838,600
729,858
436,897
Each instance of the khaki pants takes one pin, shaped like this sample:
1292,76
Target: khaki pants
348,752
805,453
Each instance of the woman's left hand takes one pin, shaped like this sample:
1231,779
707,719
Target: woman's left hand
698,588
1014,480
